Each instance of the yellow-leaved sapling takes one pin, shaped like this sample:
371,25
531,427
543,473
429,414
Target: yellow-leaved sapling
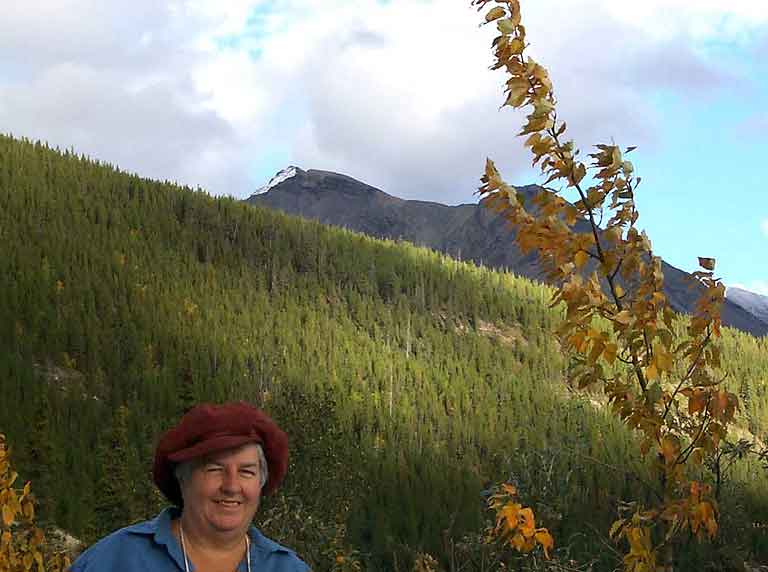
619,328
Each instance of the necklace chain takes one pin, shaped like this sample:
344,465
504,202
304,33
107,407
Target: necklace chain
184,549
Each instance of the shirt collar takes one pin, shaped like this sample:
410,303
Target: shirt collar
261,542
160,528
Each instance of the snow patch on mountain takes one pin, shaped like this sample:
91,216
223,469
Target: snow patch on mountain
755,304
282,175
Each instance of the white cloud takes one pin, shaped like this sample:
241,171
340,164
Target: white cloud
116,82
764,227
698,19
415,111
397,94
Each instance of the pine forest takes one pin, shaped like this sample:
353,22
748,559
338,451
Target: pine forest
409,383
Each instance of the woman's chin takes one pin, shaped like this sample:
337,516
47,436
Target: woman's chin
227,524
226,519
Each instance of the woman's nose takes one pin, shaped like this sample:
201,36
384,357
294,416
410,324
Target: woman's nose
230,481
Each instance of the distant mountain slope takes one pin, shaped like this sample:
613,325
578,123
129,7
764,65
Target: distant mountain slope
468,232
755,304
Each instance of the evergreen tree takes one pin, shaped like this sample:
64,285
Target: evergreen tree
41,458
113,503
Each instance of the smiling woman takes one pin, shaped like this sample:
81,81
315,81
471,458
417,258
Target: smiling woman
213,467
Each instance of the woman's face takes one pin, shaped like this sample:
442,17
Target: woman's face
223,492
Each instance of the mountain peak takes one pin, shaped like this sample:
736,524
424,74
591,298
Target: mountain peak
279,177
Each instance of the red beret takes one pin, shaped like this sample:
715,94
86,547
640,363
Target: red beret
208,428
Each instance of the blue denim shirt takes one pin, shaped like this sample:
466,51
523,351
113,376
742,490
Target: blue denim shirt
150,545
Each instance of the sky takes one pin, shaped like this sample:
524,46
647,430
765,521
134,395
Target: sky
222,94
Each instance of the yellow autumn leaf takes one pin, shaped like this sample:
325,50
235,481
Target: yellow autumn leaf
697,401
609,352
723,405
8,515
664,361
527,522
623,317
635,538
578,341
615,528
615,156
711,523
544,538
490,168
597,349
28,508
670,447
518,542
707,263
516,46
581,258
571,215
506,26
532,140
495,14
509,489
698,490
516,96
579,172
510,514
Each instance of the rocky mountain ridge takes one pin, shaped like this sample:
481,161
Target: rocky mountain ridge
468,231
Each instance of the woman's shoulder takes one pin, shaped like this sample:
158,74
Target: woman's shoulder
274,557
127,549
108,551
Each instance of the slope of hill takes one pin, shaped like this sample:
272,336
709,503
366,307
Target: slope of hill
407,381
468,232
755,304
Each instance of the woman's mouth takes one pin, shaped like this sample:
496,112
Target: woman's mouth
228,503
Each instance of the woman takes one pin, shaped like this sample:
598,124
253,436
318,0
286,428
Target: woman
213,467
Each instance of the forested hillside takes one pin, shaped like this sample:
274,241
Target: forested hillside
407,381
469,231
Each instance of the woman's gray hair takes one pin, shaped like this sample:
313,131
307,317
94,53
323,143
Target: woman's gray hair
183,471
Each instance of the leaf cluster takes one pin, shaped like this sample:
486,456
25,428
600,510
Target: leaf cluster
22,544
516,524
619,327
